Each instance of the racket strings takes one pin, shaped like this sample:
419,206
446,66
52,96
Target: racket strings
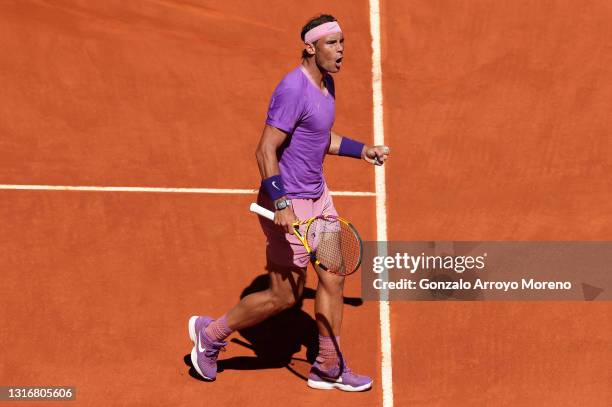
336,245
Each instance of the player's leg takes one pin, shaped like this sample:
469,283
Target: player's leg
287,260
330,369
208,335
329,302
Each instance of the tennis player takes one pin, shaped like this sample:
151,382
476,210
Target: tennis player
297,136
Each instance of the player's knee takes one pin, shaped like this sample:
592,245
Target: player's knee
288,302
282,301
333,282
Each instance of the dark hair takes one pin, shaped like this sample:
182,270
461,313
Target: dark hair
312,23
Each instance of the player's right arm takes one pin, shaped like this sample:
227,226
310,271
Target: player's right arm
271,140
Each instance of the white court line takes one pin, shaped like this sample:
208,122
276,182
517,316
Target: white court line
381,203
158,190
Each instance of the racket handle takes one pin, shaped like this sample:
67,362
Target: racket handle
261,211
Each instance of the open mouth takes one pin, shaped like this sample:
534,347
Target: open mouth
339,62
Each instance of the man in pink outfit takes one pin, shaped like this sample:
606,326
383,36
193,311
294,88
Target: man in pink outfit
297,136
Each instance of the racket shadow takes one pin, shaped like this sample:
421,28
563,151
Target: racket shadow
276,340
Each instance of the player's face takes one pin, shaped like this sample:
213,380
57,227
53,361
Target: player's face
329,52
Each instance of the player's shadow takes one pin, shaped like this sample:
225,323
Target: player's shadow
275,340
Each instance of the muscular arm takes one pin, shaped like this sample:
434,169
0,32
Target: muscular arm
376,155
271,140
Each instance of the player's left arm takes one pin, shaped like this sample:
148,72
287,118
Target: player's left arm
341,145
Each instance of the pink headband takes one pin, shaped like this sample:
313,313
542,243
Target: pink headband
321,31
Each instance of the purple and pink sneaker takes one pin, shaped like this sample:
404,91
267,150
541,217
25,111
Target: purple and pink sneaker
205,351
338,377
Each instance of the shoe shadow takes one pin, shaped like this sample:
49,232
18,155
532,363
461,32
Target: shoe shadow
275,340
192,371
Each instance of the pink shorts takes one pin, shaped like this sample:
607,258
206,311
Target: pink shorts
284,249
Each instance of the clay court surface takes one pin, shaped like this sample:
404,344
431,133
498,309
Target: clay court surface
498,117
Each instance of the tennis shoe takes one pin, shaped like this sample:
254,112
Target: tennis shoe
338,377
205,351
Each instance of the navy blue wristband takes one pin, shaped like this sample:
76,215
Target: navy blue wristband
350,148
274,187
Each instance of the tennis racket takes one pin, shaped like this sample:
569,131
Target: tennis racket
332,243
